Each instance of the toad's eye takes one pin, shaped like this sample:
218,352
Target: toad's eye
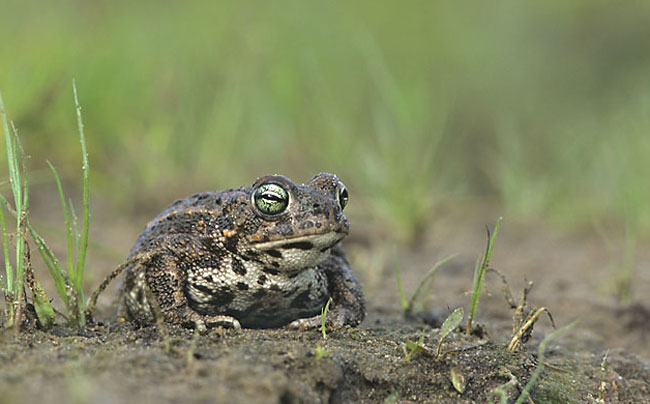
343,195
271,199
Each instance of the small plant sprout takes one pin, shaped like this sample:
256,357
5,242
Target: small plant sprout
323,318
320,352
69,280
481,267
412,348
452,322
601,385
16,275
14,282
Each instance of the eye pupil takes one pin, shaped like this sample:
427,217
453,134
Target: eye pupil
271,199
343,195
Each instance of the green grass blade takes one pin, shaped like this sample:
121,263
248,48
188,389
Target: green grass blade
490,245
66,216
5,247
75,225
480,269
476,294
14,175
12,182
323,318
59,277
81,257
23,165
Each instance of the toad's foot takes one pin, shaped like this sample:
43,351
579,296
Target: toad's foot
202,323
336,318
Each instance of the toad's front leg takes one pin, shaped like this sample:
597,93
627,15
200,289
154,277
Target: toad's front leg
348,306
164,278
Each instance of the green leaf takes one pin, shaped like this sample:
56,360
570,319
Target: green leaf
450,324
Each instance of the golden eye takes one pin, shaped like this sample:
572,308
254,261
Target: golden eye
271,199
343,195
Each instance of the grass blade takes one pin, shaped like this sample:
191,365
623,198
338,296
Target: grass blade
75,226
15,289
323,318
81,257
480,269
66,216
59,277
5,247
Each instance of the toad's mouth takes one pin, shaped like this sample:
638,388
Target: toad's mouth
320,242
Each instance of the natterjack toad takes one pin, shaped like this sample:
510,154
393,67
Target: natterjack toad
259,257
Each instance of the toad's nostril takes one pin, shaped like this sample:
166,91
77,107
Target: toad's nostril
316,206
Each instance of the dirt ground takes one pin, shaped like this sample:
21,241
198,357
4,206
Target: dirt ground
114,362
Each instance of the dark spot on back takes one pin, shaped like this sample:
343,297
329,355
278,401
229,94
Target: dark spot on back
204,289
238,267
271,271
275,264
140,296
230,244
261,279
259,293
274,253
300,245
242,286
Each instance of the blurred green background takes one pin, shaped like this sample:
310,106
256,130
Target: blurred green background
541,109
